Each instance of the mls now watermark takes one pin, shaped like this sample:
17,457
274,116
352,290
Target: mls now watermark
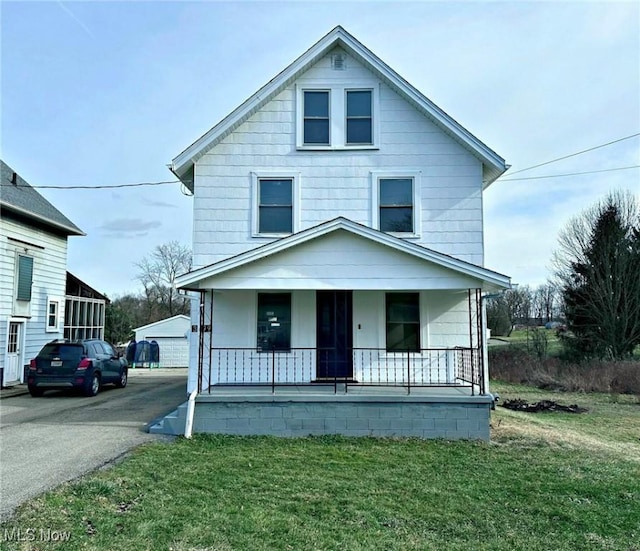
33,534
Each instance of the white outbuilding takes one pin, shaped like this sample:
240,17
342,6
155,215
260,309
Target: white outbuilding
171,336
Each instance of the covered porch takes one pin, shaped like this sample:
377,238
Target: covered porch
340,322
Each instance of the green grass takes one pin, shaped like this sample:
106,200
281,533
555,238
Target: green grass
545,482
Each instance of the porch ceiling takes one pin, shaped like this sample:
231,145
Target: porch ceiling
343,255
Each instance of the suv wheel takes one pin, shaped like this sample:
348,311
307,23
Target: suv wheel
122,381
35,391
92,386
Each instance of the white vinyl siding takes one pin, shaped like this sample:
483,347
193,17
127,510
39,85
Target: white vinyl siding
448,213
49,253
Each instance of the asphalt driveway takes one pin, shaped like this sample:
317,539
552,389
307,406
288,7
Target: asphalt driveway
49,440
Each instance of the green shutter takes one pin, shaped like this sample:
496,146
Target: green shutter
25,277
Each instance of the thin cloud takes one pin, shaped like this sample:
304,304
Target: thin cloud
129,227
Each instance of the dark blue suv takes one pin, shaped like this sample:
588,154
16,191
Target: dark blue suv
83,364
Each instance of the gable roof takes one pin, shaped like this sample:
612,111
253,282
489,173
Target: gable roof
17,196
493,280
493,165
164,322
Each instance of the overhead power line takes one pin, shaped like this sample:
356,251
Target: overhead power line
575,154
569,174
114,186
100,187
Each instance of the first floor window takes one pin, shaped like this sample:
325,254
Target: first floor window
275,205
25,277
396,205
52,315
274,321
403,322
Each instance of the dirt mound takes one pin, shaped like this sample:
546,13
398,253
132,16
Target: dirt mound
542,406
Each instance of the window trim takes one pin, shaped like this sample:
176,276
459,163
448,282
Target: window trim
337,115
295,200
391,174
51,300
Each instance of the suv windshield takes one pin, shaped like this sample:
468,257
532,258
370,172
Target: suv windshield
66,352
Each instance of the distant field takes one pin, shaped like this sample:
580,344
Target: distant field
546,481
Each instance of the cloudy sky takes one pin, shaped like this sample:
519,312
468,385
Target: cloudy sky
107,93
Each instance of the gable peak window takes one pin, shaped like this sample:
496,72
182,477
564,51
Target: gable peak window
359,129
316,117
337,115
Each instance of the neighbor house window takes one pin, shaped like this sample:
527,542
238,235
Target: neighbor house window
275,205
25,277
403,322
316,117
53,311
396,205
359,117
274,321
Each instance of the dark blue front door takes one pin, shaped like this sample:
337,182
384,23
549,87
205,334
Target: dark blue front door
334,334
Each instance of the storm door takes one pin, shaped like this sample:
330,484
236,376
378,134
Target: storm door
334,334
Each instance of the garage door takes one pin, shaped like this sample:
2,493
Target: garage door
174,352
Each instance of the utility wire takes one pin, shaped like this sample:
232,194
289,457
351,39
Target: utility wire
102,187
140,184
569,174
574,154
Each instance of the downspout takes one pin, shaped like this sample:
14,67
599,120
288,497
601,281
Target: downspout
191,408
191,403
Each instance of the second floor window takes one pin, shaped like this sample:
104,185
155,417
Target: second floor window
396,205
316,117
275,205
359,117
25,277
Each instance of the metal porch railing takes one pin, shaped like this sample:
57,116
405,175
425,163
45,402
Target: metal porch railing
429,367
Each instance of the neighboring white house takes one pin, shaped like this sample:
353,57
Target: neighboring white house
33,273
338,238
171,336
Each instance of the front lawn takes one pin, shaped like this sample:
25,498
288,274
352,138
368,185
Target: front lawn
549,481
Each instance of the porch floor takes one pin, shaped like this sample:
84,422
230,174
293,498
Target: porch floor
351,392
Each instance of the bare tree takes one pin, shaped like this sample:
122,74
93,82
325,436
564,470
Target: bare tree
158,273
597,266
545,302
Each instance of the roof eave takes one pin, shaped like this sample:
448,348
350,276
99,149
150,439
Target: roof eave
68,230
191,281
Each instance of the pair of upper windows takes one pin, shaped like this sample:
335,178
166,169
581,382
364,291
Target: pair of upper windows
317,115
394,205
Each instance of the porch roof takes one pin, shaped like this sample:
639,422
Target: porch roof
342,254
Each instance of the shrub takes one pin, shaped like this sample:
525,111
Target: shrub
516,365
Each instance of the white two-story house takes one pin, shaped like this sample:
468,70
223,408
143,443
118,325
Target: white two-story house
338,257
